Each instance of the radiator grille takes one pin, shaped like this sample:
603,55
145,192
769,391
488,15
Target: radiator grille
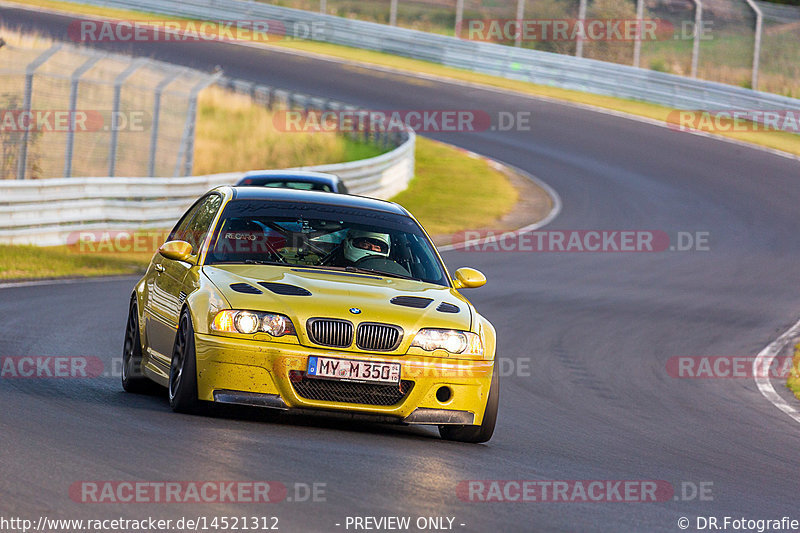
331,390
378,337
330,332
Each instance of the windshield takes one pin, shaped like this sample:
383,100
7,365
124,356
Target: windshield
324,236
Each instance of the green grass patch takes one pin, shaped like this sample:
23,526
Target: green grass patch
793,381
28,262
453,191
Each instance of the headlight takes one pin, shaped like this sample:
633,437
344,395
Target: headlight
450,340
249,322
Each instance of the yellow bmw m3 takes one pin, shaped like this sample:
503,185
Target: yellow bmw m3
312,302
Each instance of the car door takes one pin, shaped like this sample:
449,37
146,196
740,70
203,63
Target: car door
167,286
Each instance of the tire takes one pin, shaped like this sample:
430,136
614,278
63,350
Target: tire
133,379
183,369
483,432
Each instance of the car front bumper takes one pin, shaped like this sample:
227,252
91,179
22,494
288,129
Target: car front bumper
265,374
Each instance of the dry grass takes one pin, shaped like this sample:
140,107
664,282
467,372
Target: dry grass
233,133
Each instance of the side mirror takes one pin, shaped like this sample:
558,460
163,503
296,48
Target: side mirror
469,278
176,250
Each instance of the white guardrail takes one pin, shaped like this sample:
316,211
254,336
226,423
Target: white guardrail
50,211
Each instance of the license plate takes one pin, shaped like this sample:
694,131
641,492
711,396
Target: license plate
350,370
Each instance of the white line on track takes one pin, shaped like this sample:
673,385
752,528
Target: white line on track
64,281
764,361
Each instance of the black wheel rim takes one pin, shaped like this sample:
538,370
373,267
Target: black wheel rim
130,338
178,356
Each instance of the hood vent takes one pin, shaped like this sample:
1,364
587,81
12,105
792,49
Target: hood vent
284,289
245,288
445,307
417,302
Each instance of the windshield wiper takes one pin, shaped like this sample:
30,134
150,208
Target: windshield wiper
378,272
262,262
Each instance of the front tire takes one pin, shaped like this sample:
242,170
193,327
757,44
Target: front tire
133,380
483,432
183,369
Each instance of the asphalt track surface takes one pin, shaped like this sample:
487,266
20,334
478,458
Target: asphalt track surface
597,329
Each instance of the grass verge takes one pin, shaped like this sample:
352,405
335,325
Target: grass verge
783,141
450,190
794,377
32,262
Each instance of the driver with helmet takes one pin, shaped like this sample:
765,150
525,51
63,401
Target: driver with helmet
360,244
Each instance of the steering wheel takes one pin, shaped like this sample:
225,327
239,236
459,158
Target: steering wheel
381,264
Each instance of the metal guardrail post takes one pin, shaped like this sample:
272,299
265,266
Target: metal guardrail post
393,13
520,16
186,151
582,22
75,79
459,17
22,162
698,22
323,6
757,44
151,166
637,43
118,81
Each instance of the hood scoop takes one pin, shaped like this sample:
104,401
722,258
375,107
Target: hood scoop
417,302
445,307
284,289
245,288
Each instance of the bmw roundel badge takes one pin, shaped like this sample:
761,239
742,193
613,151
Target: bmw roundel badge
355,310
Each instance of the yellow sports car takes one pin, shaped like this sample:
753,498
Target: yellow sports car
306,301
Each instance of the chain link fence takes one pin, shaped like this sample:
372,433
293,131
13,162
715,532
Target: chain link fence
70,112
715,40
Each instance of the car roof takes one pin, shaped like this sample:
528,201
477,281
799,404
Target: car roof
300,175
317,197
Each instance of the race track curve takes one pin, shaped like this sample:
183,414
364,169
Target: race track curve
597,330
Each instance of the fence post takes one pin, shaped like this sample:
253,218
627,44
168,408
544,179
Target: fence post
118,81
323,6
698,22
582,22
151,166
393,13
75,79
757,45
22,162
637,43
186,151
459,18
520,16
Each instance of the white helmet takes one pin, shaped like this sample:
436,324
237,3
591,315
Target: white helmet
359,244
